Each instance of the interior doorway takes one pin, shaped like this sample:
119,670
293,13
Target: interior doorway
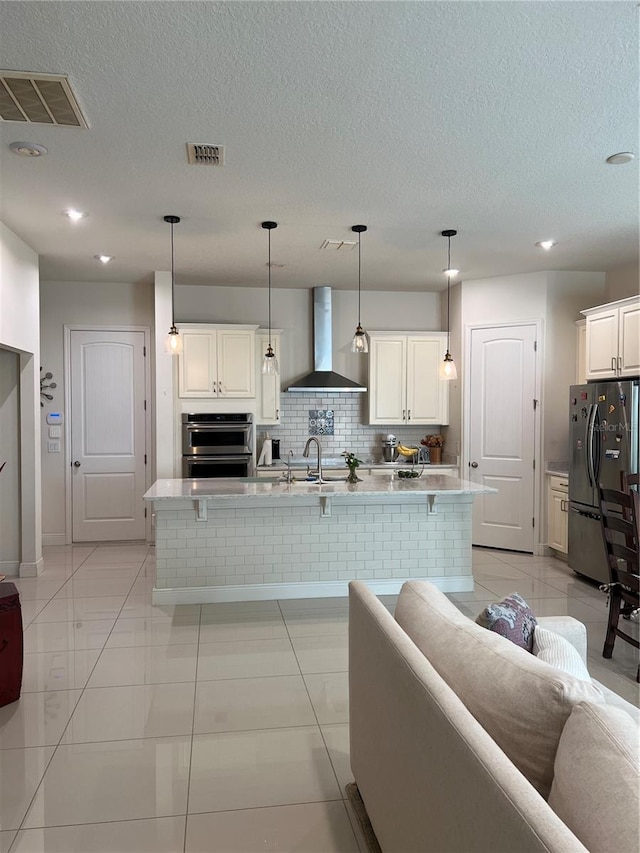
502,433
107,433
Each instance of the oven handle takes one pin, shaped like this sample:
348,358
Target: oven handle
216,427
236,457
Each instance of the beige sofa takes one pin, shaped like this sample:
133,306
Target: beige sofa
432,695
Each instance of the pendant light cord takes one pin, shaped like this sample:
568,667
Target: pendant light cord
448,293
359,271
269,289
173,320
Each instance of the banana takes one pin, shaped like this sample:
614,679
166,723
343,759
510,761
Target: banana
407,451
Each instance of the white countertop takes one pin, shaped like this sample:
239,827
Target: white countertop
370,485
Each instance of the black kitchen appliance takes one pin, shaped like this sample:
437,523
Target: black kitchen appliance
217,445
603,442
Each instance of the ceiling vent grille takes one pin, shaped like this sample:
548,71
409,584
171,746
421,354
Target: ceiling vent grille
202,154
39,99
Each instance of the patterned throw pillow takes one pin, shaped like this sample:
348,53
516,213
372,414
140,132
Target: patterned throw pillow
511,618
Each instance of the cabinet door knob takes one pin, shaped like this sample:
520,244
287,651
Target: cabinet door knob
409,415
404,414
619,364
613,363
277,414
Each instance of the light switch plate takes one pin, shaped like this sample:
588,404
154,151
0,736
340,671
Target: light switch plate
55,432
53,446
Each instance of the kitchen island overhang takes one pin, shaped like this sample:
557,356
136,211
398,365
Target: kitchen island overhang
231,540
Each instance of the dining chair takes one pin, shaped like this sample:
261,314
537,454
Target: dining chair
619,524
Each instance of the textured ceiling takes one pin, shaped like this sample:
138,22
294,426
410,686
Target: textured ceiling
494,118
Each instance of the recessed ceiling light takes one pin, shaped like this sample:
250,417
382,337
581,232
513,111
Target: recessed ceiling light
622,157
28,149
74,215
546,244
104,258
451,272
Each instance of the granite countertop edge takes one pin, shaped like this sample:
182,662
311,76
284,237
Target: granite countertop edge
369,486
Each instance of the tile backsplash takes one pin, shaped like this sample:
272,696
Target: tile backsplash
341,419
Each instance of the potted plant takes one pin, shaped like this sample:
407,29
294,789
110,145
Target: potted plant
352,462
435,443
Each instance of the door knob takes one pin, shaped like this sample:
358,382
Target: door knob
474,464
76,464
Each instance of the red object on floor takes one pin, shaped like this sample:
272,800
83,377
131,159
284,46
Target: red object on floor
10,644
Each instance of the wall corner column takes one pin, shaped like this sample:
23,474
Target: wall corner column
164,380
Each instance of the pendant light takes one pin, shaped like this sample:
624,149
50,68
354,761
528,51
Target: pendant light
270,361
173,343
359,343
448,367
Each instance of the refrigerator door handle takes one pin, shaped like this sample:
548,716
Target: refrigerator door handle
590,461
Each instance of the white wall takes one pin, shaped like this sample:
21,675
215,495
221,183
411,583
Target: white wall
567,294
622,282
10,455
75,303
19,331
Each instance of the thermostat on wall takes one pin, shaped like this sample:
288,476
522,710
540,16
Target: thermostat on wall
54,418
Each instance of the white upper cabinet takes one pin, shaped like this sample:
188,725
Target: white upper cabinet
404,382
267,385
217,362
613,340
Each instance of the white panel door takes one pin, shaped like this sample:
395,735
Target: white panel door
387,380
107,435
502,434
427,394
236,363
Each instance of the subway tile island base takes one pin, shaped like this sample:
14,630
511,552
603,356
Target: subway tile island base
232,540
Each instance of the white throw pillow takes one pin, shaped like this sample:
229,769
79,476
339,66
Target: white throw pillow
554,649
596,786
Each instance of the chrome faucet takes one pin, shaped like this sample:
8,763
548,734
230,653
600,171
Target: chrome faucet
305,453
288,477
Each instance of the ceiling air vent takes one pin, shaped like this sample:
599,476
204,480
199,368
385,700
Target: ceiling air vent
39,99
201,154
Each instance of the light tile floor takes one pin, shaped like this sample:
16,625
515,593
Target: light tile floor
218,728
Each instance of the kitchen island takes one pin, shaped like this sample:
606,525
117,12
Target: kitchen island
242,540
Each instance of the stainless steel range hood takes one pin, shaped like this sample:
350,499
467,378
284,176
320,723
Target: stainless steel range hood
323,378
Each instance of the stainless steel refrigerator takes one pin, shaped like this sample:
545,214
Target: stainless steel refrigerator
604,441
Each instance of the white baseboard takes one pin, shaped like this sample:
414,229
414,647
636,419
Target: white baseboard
310,589
10,568
31,570
54,539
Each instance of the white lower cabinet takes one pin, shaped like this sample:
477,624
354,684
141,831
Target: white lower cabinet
267,386
404,381
558,513
217,362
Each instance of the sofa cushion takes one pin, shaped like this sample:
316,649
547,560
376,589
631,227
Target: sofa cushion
522,702
511,618
596,787
555,650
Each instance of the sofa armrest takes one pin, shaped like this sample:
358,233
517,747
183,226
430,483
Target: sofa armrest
571,629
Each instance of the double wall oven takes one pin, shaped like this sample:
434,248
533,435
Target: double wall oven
217,445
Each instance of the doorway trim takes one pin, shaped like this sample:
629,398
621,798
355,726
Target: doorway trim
538,441
149,473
